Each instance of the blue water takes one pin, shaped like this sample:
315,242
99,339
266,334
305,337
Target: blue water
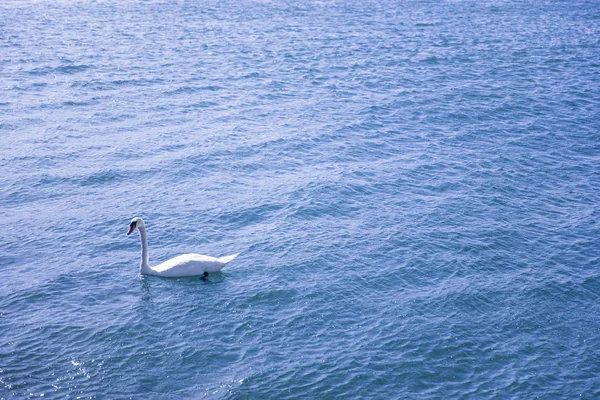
414,187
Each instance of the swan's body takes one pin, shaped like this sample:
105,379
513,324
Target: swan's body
183,265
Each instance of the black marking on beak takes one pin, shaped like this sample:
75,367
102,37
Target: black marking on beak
132,227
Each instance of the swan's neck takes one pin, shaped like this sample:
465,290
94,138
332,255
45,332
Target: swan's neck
144,264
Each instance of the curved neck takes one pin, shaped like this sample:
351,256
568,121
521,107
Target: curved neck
144,264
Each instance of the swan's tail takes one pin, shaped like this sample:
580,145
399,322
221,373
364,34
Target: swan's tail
227,259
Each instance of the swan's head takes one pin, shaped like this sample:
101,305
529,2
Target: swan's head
137,222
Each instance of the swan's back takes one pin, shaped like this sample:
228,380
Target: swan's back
190,265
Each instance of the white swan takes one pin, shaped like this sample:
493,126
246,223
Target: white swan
183,265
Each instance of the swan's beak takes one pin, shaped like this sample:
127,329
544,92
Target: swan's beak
131,229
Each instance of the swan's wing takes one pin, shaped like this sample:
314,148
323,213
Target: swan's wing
189,265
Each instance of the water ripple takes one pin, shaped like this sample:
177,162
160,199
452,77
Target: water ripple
413,190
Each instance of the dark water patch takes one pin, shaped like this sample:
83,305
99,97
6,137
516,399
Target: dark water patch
431,60
92,180
427,24
8,127
200,105
92,84
72,103
190,90
101,178
137,82
59,70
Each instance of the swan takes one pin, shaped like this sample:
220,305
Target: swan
183,265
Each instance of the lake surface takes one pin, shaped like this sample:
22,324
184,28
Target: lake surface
414,187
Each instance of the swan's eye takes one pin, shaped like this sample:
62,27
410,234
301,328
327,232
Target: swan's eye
132,225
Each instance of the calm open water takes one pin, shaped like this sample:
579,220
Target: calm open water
414,187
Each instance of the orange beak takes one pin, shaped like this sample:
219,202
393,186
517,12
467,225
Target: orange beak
131,228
